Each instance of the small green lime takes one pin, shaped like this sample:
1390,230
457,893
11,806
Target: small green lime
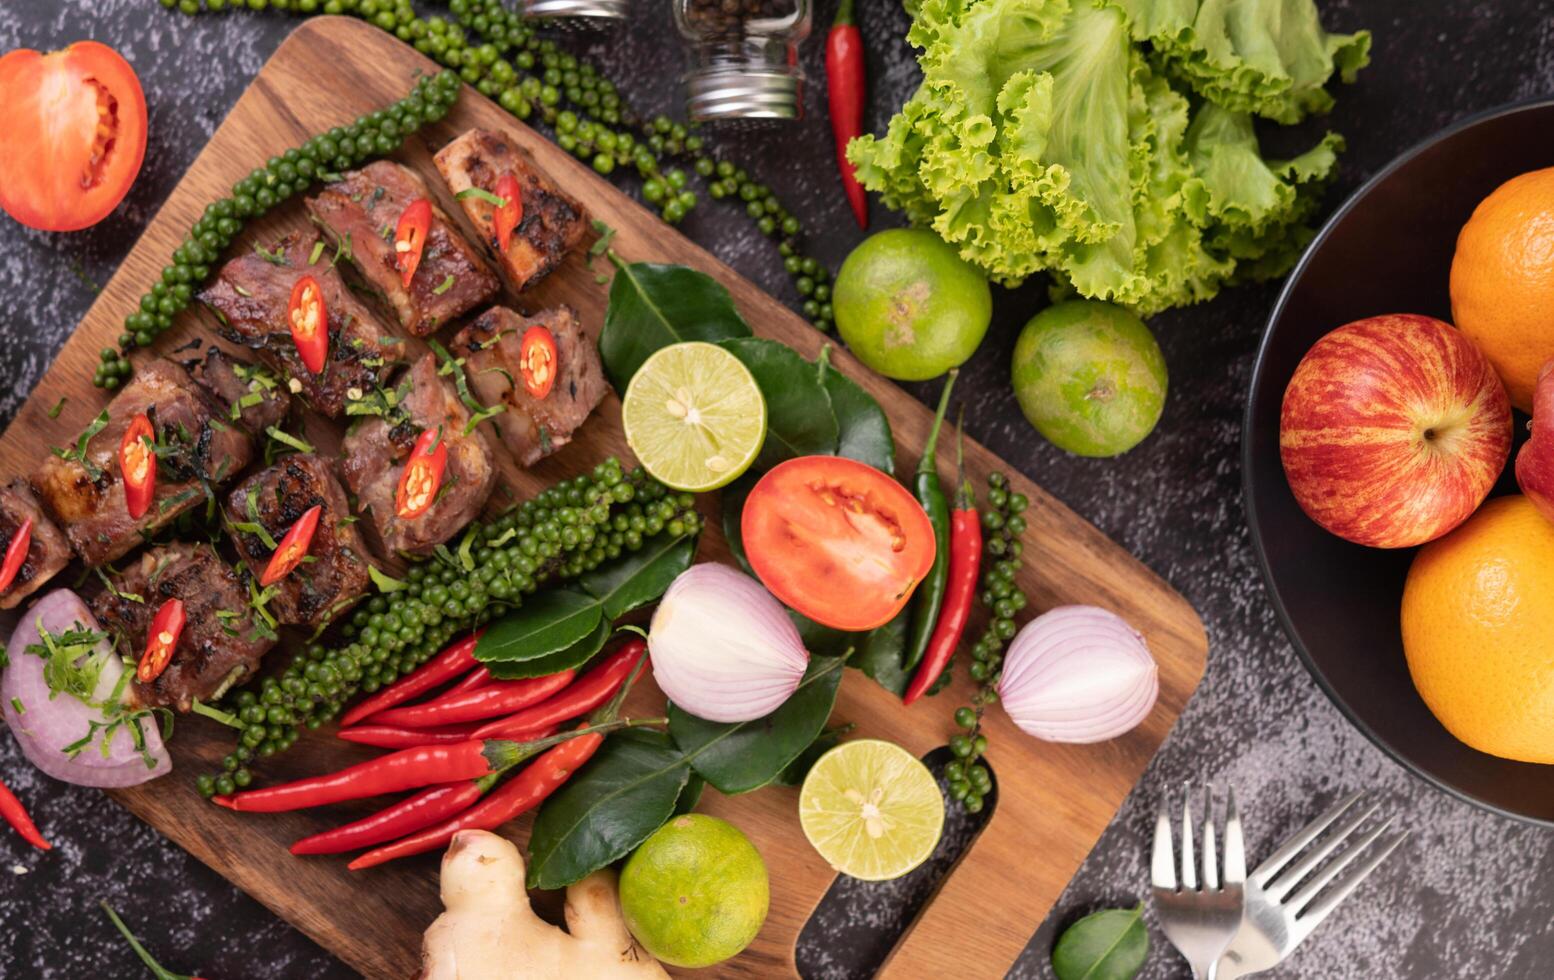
695,893
1090,377
871,809
908,306
694,416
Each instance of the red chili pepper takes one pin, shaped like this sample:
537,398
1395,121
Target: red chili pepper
521,793
960,591
845,85
16,815
457,658
479,677
589,692
422,478
392,773
293,547
397,737
537,361
308,319
415,223
15,554
407,816
506,217
166,626
137,465
497,698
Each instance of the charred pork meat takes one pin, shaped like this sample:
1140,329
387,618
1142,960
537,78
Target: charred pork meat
551,223
82,489
502,372
250,298
222,640
377,448
364,208
254,397
260,511
47,550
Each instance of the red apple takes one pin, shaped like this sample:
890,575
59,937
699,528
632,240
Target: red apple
1535,460
1393,430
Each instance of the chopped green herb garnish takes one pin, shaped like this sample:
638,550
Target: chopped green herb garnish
318,249
383,581
606,236
108,584
286,438
482,194
444,286
275,257
59,406
18,707
215,714
237,287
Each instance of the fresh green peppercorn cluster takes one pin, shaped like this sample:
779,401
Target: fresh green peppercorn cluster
560,534
1002,525
501,55
376,134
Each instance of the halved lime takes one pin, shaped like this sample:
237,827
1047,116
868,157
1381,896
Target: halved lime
871,809
694,416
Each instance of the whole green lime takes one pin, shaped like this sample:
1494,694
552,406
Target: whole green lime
908,306
1090,377
695,893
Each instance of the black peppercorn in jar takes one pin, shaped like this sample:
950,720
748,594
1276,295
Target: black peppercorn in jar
744,57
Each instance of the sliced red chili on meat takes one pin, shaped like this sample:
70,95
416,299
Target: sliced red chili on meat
309,323
15,555
293,547
415,223
166,626
422,478
537,361
505,218
137,465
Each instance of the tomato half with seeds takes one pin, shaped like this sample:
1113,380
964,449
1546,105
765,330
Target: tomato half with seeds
74,135
837,540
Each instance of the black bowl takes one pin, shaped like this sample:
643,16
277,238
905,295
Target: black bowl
1387,250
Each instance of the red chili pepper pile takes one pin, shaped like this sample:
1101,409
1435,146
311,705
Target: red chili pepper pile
462,753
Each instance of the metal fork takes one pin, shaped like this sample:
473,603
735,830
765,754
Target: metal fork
1281,911
1200,922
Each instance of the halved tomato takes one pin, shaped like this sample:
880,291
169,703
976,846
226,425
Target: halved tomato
74,136
836,540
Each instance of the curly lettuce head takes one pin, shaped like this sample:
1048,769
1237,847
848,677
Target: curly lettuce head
1046,138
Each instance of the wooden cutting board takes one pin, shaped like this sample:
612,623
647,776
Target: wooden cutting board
1053,801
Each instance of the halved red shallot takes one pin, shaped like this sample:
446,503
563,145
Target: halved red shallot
1078,674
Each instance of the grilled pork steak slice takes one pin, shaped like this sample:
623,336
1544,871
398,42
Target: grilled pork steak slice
250,298
336,574
222,642
364,207
82,489
254,397
376,449
48,551
532,428
552,223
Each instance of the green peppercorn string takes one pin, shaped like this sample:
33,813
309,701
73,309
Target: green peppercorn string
503,57
1003,523
567,530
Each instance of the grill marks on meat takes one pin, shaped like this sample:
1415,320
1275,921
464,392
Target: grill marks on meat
450,280
222,642
250,297
532,428
48,551
552,224
84,491
335,576
255,399
376,449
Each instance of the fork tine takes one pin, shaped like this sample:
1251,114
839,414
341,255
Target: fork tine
1285,881
1282,856
1189,863
1318,881
1313,916
1235,843
1162,867
1210,849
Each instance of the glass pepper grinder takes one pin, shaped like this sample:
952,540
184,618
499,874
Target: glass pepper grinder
744,57
575,14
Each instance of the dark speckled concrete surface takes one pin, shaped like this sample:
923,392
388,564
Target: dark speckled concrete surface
1467,899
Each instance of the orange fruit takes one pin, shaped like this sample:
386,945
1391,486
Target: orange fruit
1502,280
1478,611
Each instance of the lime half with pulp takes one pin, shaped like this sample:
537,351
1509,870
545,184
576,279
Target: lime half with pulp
871,809
694,416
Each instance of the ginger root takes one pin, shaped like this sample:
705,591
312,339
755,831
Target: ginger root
489,931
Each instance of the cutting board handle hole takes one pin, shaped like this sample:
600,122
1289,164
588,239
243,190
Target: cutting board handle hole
866,919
